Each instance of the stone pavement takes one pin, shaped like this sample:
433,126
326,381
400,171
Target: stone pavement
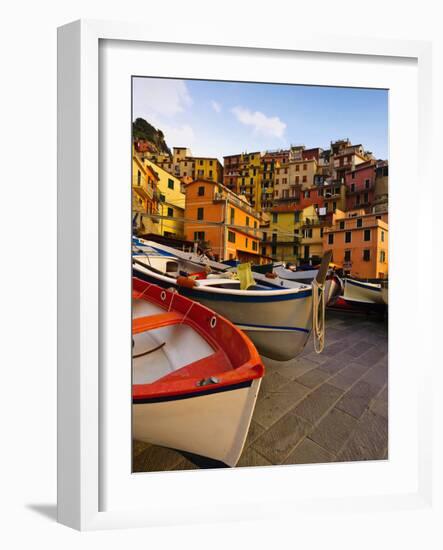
315,408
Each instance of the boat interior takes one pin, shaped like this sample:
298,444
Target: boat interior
170,347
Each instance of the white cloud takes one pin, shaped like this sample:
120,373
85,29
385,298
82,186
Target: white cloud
160,96
261,124
216,106
178,136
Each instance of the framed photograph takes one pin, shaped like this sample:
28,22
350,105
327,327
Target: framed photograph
234,230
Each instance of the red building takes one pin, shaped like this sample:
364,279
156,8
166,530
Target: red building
314,153
360,186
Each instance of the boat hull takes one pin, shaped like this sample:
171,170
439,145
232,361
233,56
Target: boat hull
356,291
278,327
213,424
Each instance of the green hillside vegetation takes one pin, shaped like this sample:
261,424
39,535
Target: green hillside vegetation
141,129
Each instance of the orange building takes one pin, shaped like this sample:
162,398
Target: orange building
222,221
359,244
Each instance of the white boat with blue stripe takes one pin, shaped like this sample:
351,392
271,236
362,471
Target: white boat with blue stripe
276,314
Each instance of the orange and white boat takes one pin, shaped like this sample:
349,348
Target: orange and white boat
196,376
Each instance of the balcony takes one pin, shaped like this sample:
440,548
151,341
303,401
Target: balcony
144,191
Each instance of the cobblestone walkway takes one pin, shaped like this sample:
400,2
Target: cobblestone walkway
316,408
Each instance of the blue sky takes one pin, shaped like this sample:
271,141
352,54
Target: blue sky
222,118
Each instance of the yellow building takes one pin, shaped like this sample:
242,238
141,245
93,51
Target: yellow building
144,196
207,168
249,180
171,204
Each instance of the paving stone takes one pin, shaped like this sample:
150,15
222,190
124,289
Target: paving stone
359,348
272,406
313,378
138,447
376,378
332,349
318,403
332,366
317,358
308,452
277,442
157,459
380,407
333,430
371,356
345,378
368,441
297,368
254,431
250,457
357,399
186,464
272,382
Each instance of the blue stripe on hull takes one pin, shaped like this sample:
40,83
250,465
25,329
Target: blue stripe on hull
246,326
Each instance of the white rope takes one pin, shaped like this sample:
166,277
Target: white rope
318,316
186,314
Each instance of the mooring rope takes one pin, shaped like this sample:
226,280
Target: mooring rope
318,316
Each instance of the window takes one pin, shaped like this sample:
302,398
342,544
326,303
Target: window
201,191
347,255
232,215
367,183
139,177
366,255
306,194
367,236
357,200
297,179
337,190
330,238
274,250
255,224
359,222
210,174
170,184
334,206
265,236
274,237
365,197
162,197
246,242
247,221
308,233
305,179
200,212
263,250
210,164
199,236
251,181
348,236
254,246
296,217
274,218
321,231
382,236
382,256
201,163
297,167
295,250
231,236
305,166
342,225
171,212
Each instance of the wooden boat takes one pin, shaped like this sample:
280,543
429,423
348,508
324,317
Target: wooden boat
362,292
333,284
195,376
275,314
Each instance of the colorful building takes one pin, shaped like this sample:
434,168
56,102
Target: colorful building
222,222
359,244
145,196
171,204
360,183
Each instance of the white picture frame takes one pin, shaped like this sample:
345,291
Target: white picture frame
82,440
